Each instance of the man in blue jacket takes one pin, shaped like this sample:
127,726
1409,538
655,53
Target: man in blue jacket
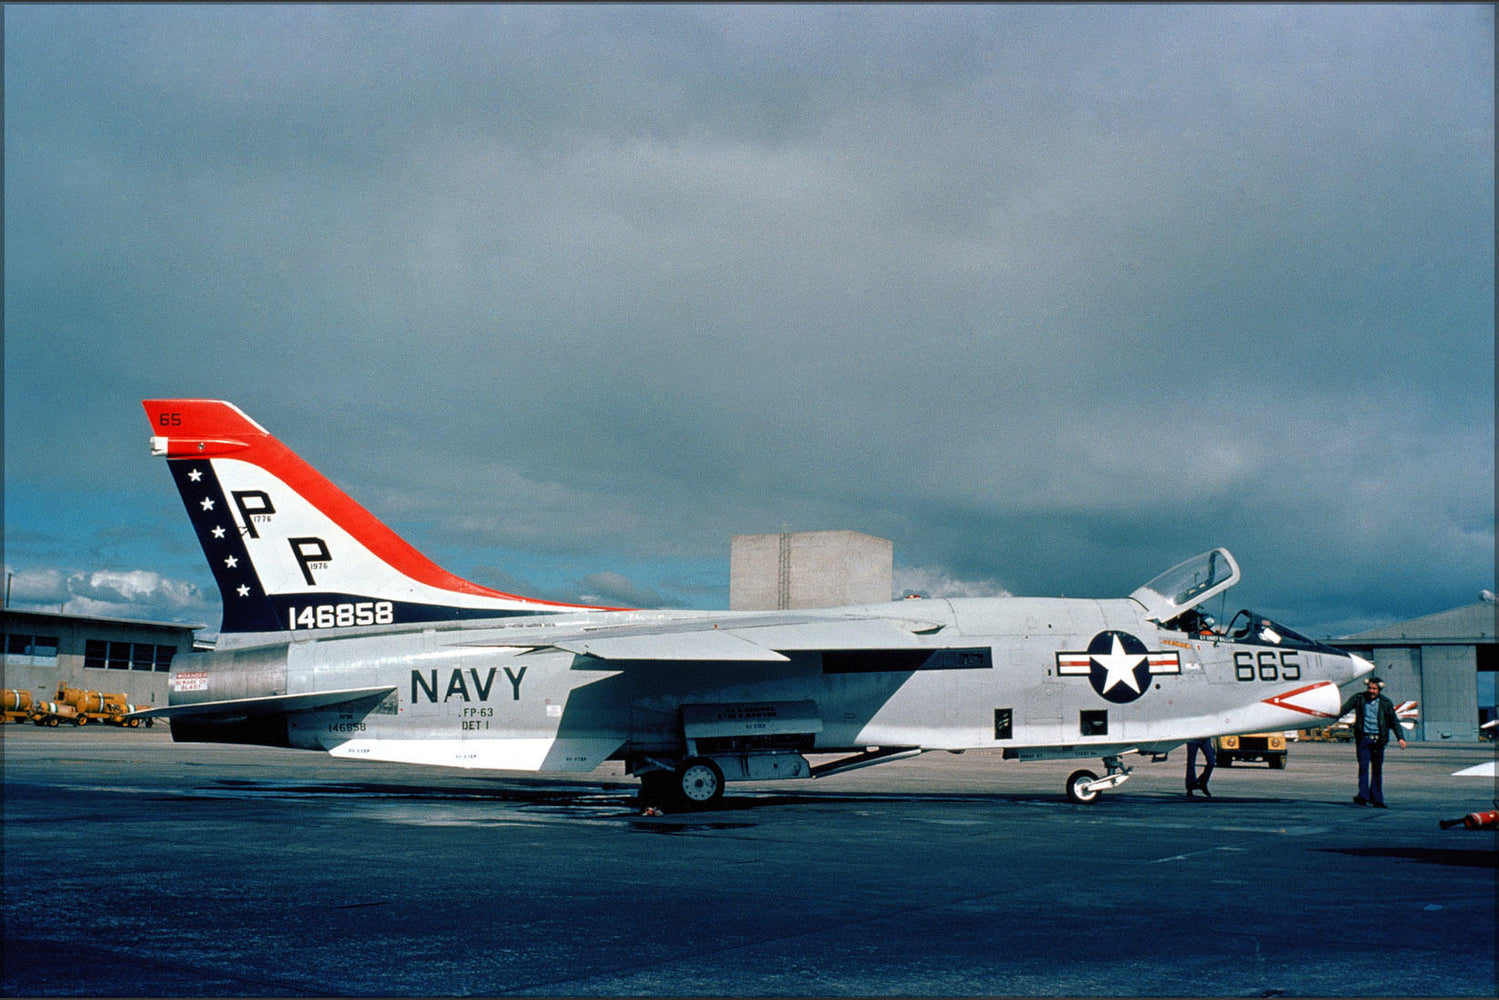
1373,720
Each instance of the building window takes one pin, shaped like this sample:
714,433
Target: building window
38,648
164,656
119,656
95,652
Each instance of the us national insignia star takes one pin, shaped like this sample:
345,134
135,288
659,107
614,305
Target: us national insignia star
1117,665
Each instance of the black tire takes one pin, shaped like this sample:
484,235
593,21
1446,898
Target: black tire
1224,760
1075,791
1277,762
699,783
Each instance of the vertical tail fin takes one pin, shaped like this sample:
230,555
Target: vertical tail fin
288,549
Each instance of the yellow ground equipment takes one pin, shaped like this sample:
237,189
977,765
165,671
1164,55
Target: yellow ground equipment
1268,747
95,706
53,713
16,705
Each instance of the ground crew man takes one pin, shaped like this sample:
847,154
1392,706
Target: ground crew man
1374,720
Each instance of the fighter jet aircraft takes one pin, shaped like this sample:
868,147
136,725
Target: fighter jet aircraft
339,636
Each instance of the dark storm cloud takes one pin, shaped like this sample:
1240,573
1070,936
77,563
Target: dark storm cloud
1050,296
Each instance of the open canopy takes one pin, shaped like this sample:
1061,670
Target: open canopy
1188,584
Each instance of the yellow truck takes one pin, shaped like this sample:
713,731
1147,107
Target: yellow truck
1268,747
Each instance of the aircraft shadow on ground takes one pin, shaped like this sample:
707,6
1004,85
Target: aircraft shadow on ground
550,793
1456,857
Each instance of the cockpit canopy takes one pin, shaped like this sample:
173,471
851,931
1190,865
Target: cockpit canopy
1188,584
1250,627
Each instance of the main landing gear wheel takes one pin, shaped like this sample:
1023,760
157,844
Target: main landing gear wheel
1077,787
700,782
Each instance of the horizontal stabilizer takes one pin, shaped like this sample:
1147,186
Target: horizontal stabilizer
268,705
544,753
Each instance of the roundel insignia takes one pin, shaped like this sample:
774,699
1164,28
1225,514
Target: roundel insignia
1118,665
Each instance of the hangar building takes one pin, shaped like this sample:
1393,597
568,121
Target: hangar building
1446,661
45,649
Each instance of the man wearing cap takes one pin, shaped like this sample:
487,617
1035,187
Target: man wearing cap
1373,720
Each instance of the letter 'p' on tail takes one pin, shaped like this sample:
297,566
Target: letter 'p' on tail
288,549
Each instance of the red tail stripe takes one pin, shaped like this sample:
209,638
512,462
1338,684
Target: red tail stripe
207,420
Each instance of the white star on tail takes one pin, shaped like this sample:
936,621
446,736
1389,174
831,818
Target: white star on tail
1120,666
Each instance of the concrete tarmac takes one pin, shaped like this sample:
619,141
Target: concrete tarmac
139,867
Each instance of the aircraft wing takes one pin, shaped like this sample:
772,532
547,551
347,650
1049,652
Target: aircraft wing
1484,770
764,640
578,754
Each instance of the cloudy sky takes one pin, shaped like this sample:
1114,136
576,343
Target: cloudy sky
1052,297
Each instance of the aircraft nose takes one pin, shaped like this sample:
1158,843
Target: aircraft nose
1361,666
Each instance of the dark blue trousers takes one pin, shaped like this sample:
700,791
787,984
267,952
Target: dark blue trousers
1208,760
1371,771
